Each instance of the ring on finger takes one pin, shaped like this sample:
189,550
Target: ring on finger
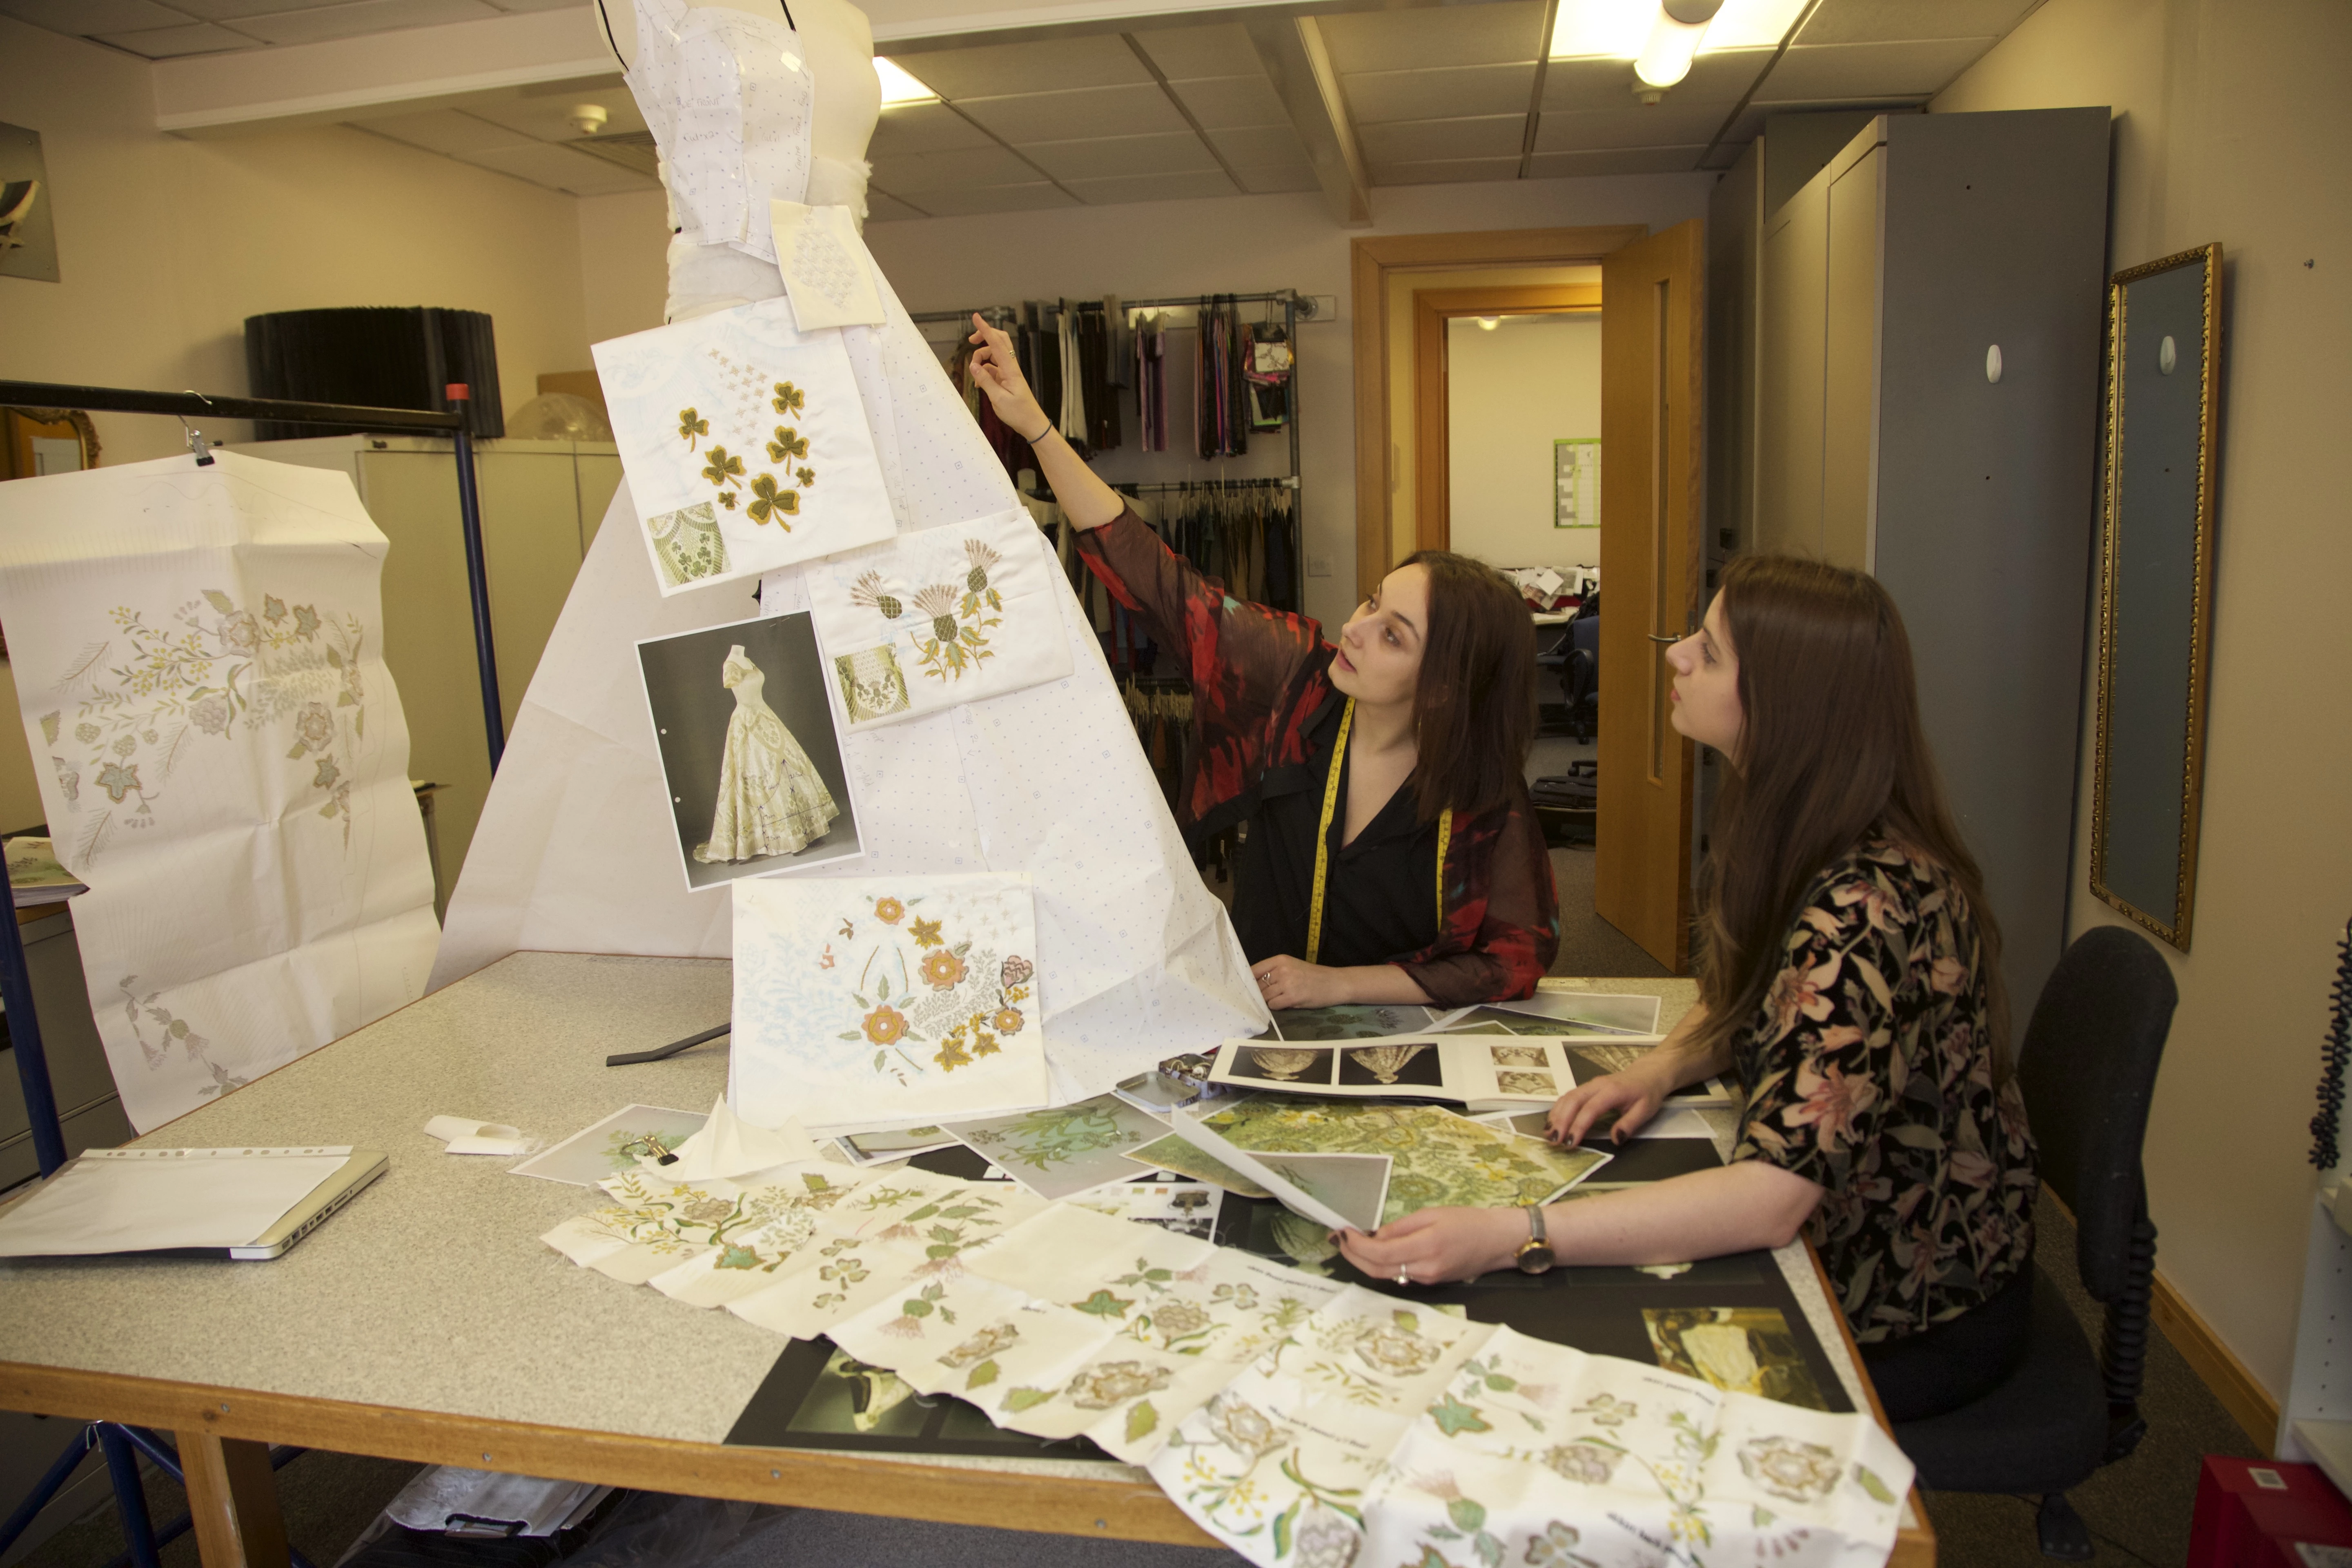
1404,1275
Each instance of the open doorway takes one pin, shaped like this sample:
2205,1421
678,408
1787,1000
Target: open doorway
1517,498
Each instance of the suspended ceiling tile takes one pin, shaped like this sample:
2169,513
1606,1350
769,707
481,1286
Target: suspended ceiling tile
559,168
923,128
1231,102
549,119
914,174
1423,141
444,131
1667,125
634,152
1270,181
1588,85
535,5
1042,65
359,18
963,201
1184,53
1447,171
1445,92
1897,21
167,43
1152,188
1750,123
1622,160
883,207
1112,157
1260,146
82,19
222,10
1447,36
1869,71
1067,116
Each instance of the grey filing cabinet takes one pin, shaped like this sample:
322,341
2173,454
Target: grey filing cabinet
84,1085
1885,443
542,502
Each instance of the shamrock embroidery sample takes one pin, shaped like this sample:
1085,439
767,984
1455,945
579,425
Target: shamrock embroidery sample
745,443
198,658
941,617
866,1001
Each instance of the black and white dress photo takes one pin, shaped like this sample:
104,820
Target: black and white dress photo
749,750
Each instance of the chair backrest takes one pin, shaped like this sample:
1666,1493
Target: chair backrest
2087,1069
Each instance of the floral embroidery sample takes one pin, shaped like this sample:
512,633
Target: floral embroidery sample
941,616
745,442
222,761
864,1000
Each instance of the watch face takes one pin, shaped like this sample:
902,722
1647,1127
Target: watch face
1534,1257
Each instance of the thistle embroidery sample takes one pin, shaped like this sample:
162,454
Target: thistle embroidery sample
745,443
865,1001
222,759
941,617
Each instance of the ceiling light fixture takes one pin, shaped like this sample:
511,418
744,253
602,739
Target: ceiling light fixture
587,117
898,86
1674,39
1488,323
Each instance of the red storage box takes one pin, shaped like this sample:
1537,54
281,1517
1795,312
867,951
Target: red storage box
2251,1513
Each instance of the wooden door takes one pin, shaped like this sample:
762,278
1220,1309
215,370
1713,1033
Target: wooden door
1650,398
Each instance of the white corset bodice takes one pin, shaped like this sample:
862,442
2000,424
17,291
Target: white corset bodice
729,99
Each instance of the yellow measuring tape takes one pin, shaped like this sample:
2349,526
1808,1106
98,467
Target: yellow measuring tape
1323,839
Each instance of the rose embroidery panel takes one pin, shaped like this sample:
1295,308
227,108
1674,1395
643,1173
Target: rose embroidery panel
939,617
861,1001
745,444
199,667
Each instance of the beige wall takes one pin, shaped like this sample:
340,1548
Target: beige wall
166,245
624,263
1244,243
2233,124
1510,392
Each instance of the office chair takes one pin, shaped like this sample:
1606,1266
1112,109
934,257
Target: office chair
2087,1069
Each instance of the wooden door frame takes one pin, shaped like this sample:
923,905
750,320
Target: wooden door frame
1371,260
1433,419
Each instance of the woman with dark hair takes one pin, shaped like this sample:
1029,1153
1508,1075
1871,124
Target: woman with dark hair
1389,852
1850,977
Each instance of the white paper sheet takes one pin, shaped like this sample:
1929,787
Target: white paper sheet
939,617
221,757
133,1200
744,442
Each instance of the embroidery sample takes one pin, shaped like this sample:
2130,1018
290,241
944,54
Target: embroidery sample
827,273
949,614
197,654
740,423
622,1141
881,1000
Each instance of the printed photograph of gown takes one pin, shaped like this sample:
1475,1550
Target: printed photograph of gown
771,800
745,725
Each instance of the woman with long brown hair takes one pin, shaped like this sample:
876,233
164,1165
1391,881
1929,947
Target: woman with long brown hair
1850,977
1389,852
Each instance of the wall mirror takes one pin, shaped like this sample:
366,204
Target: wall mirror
2156,586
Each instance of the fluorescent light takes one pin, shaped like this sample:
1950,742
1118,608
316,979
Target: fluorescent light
1665,59
898,86
1488,323
1610,28
1751,24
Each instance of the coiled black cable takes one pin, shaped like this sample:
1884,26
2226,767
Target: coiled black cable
2337,1054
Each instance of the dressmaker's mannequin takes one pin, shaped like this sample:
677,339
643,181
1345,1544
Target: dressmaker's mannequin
837,43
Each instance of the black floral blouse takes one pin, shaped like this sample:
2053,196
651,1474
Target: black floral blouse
1869,1072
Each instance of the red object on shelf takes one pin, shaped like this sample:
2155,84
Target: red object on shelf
2252,1513
457,391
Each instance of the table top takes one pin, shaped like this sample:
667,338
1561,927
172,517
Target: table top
431,1290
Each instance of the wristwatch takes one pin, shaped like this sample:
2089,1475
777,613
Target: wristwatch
1535,1255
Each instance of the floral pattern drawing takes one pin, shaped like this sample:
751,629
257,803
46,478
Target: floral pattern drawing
1066,1149
746,444
952,613
172,1034
144,698
866,999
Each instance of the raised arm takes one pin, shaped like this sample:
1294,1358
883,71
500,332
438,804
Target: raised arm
1084,498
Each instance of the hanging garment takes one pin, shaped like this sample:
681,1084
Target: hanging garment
1134,959
1269,378
198,656
771,799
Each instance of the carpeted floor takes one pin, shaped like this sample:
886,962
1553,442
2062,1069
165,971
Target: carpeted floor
2138,1509
1588,945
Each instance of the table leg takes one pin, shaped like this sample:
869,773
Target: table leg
130,1496
233,1499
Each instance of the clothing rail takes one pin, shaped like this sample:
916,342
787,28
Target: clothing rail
1271,482
15,983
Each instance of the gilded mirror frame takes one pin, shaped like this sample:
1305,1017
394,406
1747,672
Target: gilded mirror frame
2172,925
